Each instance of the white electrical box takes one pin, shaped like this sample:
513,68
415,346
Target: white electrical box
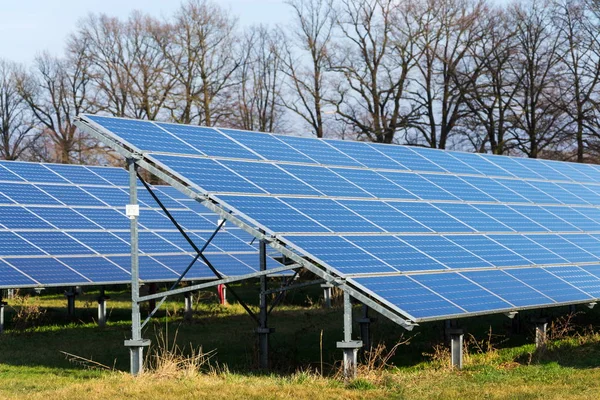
132,210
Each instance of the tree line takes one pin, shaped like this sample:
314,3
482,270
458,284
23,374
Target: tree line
520,78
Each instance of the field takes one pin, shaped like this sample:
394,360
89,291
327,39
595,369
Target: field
46,354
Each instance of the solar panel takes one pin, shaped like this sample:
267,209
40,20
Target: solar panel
428,233
69,227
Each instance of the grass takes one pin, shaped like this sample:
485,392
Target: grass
214,355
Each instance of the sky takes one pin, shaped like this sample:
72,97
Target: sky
30,27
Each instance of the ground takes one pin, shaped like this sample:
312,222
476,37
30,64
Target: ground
46,354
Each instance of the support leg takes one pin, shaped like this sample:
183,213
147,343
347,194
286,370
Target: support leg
70,294
102,308
349,347
327,294
365,328
2,305
541,326
263,330
456,347
136,344
188,311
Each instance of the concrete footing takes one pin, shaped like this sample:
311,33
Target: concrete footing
2,305
102,308
188,309
541,332
70,295
456,347
327,287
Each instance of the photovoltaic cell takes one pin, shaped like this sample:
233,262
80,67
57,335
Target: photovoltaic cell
267,146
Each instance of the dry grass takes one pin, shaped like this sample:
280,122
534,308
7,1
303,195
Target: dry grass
28,313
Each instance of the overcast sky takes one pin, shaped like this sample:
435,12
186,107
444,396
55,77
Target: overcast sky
29,27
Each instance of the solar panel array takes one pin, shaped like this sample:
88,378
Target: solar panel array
65,225
433,234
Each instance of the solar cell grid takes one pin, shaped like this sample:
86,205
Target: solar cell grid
495,219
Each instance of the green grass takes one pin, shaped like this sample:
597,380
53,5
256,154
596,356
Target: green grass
503,365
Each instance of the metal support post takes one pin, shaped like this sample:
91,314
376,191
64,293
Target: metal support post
263,330
70,294
327,294
365,328
572,309
102,308
349,347
2,305
456,347
541,326
188,311
136,344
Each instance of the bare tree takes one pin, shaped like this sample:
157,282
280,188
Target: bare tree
580,62
200,45
16,122
306,81
537,122
258,106
56,91
491,92
373,61
446,72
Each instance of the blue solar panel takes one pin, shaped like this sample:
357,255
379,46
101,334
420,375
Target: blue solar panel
487,249
319,151
108,218
209,141
508,288
272,179
12,245
19,218
151,219
97,269
548,284
446,252
576,217
332,215
326,181
374,183
496,190
509,164
6,175
558,193
430,216
408,158
114,176
144,135
579,278
458,187
403,292
339,254
367,155
231,265
78,176
192,221
150,269
528,249
481,164
565,249
462,292
71,195
102,242
14,278
473,217
268,146
32,172
384,216
419,186
274,213
64,218
208,174
442,211
47,271
445,160
581,192
511,218
398,254
26,194
55,243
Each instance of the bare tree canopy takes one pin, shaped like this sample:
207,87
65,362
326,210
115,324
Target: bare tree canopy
519,77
